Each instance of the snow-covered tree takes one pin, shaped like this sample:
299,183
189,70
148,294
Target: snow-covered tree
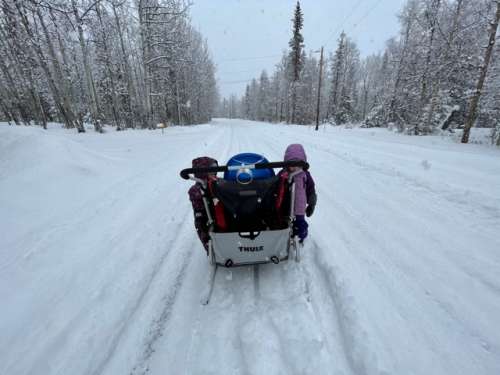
296,58
425,80
104,62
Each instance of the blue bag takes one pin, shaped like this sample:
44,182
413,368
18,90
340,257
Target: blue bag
245,175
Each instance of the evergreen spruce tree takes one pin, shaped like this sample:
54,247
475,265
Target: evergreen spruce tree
296,44
336,74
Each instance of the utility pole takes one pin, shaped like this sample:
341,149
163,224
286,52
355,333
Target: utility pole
319,88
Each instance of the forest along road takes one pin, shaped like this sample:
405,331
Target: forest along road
400,273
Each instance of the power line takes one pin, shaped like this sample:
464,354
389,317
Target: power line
242,71
235,82
251,58
367,13
355,24
353,9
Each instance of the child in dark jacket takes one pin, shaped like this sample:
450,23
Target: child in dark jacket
305,191
196,198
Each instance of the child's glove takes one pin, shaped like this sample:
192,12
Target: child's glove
300,227
202,230
311,203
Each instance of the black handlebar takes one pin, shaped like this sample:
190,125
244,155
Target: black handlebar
223,168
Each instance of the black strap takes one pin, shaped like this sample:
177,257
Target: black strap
223,168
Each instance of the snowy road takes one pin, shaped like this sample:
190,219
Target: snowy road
101,271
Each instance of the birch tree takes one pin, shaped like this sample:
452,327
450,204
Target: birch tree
471,117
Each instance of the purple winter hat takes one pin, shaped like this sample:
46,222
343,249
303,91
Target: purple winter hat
295,152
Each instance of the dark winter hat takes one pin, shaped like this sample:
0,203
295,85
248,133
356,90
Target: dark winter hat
203,162
295,152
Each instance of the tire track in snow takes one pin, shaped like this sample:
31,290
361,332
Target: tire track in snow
356,366
416,183
333,286
158,267
360,359
450,194
158,327
240,288
129,309
454,196
256,283
278,145
404,271
367,260
259,310
437,209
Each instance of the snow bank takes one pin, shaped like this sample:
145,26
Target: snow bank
39,171
87,220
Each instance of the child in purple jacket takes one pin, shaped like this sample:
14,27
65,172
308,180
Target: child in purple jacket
305,191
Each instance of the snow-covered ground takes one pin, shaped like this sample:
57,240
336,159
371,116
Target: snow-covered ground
101,271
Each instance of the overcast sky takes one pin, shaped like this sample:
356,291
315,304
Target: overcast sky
246,36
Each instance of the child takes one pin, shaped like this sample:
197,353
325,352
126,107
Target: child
305,192
196,197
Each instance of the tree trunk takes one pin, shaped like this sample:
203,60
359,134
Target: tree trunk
320,80
35,97
23,78
128,72
432,13
11,90
294,102
67,86
148,110
6,105
6,111
107,61
392,115
471,117
366,89
437,84
62,103
94,108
